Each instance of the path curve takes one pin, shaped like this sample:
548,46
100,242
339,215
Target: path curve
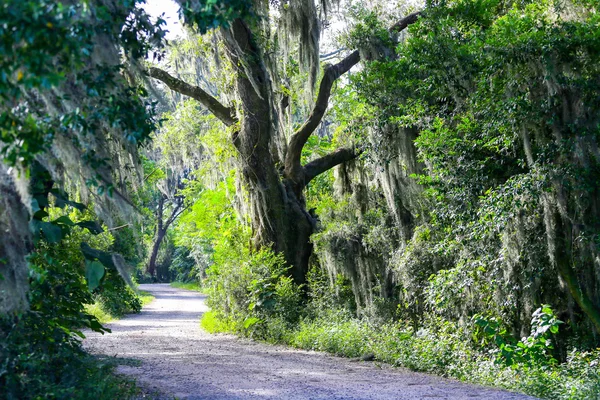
177,358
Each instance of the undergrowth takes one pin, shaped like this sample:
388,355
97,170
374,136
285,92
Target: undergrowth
41,356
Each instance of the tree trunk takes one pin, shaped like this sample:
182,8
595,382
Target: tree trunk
160,235
162,226
278,214
15,244
561,254
277,206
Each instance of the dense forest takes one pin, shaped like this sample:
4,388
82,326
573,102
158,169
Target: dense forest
412,182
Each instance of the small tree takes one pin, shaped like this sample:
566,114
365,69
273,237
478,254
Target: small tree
170,205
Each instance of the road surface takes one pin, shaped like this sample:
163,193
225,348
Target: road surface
167,352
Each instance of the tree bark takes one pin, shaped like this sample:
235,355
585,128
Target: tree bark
160,235
15,244
195,92
561,254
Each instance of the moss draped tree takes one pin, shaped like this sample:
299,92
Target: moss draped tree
275,180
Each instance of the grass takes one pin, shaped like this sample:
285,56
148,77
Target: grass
212,324
105,317
97,311
195,286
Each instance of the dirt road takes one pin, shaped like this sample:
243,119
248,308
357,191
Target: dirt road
180,360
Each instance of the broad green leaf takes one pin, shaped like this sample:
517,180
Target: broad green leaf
92,254
62,200
40,214
93,226
51,232
249,322
94,271
64,220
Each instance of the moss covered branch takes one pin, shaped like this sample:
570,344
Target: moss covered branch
223,113
325,163
293,168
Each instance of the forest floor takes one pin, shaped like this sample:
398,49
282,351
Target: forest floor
168,353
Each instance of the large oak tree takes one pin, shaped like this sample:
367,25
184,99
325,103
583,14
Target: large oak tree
268,156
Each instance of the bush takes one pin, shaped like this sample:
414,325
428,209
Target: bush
116,298
40,350
254,292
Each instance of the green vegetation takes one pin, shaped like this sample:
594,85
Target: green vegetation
195,286
66,157
462,241
145,297
98,309
41,348
447,351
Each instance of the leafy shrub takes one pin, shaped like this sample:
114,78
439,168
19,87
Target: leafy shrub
116,298
271,292
486,354
532,350
253,292
40,351
183,266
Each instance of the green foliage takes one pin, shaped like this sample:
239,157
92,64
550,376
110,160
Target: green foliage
499,94
211,14
370,35
195,286
483,121
534,350
213,324
116,298
355,243
183,267
103,313
38,35
443,349
41,354
254,292
94,272
244,287
271,292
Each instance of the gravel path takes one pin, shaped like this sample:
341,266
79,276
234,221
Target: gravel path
180,360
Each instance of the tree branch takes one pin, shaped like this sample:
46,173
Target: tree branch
299,138
159,213
118,227
406,21
195,92
177,211
320,165
293,169
323,57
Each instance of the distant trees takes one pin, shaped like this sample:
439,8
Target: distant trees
169,206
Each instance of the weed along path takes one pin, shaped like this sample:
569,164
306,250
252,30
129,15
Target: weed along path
165,349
